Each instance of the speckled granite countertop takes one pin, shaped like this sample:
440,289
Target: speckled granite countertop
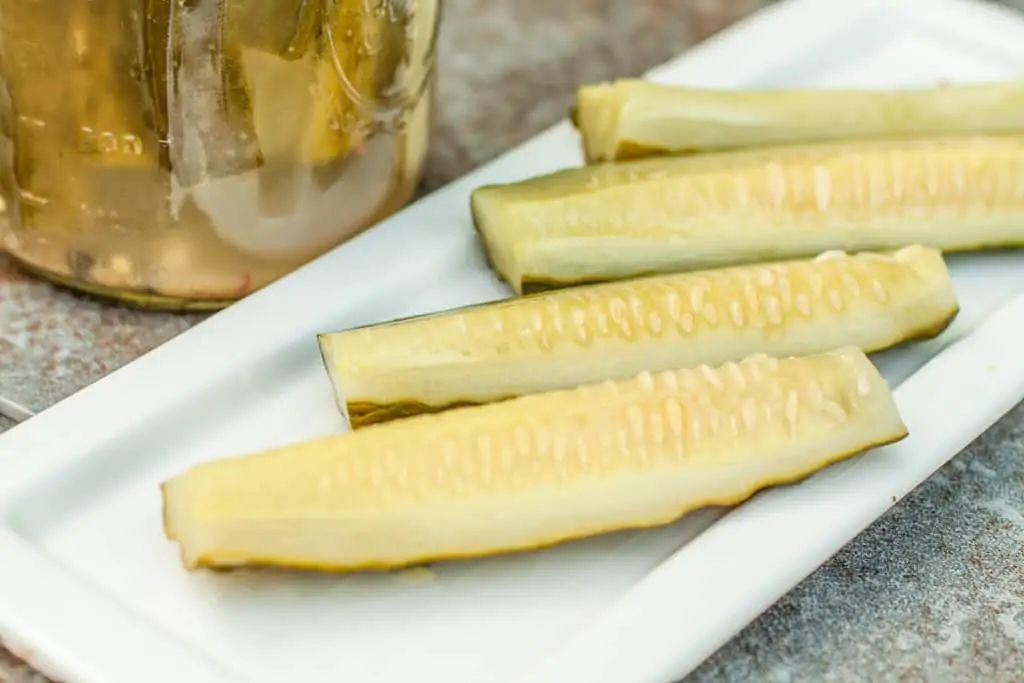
933,591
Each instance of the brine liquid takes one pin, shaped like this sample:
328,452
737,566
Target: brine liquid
195,150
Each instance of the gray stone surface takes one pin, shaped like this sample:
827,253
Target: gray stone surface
5,423
933,591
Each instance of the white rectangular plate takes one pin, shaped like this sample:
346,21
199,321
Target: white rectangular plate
88,583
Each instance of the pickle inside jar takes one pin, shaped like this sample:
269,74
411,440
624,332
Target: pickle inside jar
334,95
287,29
306,82
325,136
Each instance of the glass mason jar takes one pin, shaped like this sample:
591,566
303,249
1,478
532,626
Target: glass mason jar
183,153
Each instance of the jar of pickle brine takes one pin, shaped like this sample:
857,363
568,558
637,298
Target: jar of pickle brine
183,153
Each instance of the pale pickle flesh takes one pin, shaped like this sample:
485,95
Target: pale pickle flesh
568,337
533,471
671,214
630,119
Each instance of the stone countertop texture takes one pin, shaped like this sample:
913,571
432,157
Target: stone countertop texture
933,591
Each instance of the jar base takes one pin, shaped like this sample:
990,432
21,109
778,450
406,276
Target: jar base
136,299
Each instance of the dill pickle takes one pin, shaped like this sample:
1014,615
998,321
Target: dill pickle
284,28
352,86
212,134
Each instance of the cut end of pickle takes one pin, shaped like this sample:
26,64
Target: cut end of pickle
533,471
486,210
598,115
332,361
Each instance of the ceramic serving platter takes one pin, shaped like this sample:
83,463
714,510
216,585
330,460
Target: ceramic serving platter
90,586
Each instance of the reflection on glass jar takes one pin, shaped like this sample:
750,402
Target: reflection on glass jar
182,153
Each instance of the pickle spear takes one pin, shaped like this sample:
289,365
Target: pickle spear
533,471
284,28
319,107
209,126
321,128
671,214
569,337
630,119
